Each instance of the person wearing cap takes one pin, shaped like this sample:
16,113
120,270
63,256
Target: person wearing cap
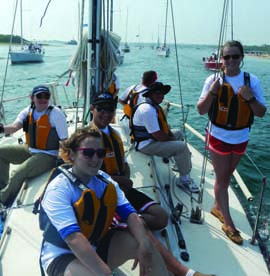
115,164
44,126
152,135
133,94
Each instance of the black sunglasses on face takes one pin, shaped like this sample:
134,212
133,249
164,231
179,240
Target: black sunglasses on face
43,96
89,152
110,109
234,57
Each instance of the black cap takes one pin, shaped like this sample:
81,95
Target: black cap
40,89
105,97
157,87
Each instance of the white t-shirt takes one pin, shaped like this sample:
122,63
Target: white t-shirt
138,88
146,115
57,119
57,202
234,136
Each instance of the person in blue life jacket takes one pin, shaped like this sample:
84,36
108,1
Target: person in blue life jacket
44,126
153,136
81,215
103,109
231,100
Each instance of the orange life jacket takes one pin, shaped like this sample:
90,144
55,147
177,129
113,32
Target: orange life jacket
230,111
40,134
140,133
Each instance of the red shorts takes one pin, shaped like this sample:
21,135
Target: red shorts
223,148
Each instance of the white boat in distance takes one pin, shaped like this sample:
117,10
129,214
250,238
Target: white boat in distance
28,54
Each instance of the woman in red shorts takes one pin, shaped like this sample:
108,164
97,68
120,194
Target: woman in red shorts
231,99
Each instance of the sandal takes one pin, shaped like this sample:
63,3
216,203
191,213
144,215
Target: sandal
233,235
216,213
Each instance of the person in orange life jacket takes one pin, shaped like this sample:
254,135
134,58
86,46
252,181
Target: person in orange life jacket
44,127
228,135
65,203
103,109
153,136
148,78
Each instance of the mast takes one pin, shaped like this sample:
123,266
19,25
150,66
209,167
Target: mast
126,28
21,24
94,26
232,19
166,18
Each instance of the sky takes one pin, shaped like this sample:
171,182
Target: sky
196,21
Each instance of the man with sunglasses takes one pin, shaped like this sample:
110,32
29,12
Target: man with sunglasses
115,164
44,126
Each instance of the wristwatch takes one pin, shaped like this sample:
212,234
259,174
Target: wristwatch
251,100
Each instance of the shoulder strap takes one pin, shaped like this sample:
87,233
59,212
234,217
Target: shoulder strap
247,79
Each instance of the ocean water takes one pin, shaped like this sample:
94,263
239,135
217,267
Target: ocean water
20,80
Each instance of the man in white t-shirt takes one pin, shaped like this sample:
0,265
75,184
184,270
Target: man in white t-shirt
153,136
44,126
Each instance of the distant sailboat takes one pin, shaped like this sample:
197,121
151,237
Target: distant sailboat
32,52
164,50
126,48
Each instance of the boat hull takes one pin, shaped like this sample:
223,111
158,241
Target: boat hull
18,57
212,65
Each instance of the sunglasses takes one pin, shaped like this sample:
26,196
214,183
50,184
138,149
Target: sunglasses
43,96
110,109
89,152
234,57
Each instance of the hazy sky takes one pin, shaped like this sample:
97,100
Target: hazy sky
196,21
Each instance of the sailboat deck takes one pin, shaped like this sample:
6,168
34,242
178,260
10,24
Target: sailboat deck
209,249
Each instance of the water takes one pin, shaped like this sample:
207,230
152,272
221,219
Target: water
22,78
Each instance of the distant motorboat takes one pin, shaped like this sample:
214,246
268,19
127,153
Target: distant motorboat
212,62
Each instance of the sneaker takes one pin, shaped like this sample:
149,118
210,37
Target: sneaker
188,185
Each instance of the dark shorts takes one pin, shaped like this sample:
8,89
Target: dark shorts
223,148
139,200
58,266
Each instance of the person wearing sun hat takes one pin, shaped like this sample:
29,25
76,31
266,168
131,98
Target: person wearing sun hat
153,136
44,126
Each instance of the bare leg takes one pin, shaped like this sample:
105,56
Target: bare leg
155,217
224,166
123,247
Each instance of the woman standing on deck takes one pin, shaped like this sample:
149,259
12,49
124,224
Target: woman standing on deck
231,100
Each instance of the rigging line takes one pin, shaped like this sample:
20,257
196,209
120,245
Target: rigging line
2,113
45,11
209,125
178,71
